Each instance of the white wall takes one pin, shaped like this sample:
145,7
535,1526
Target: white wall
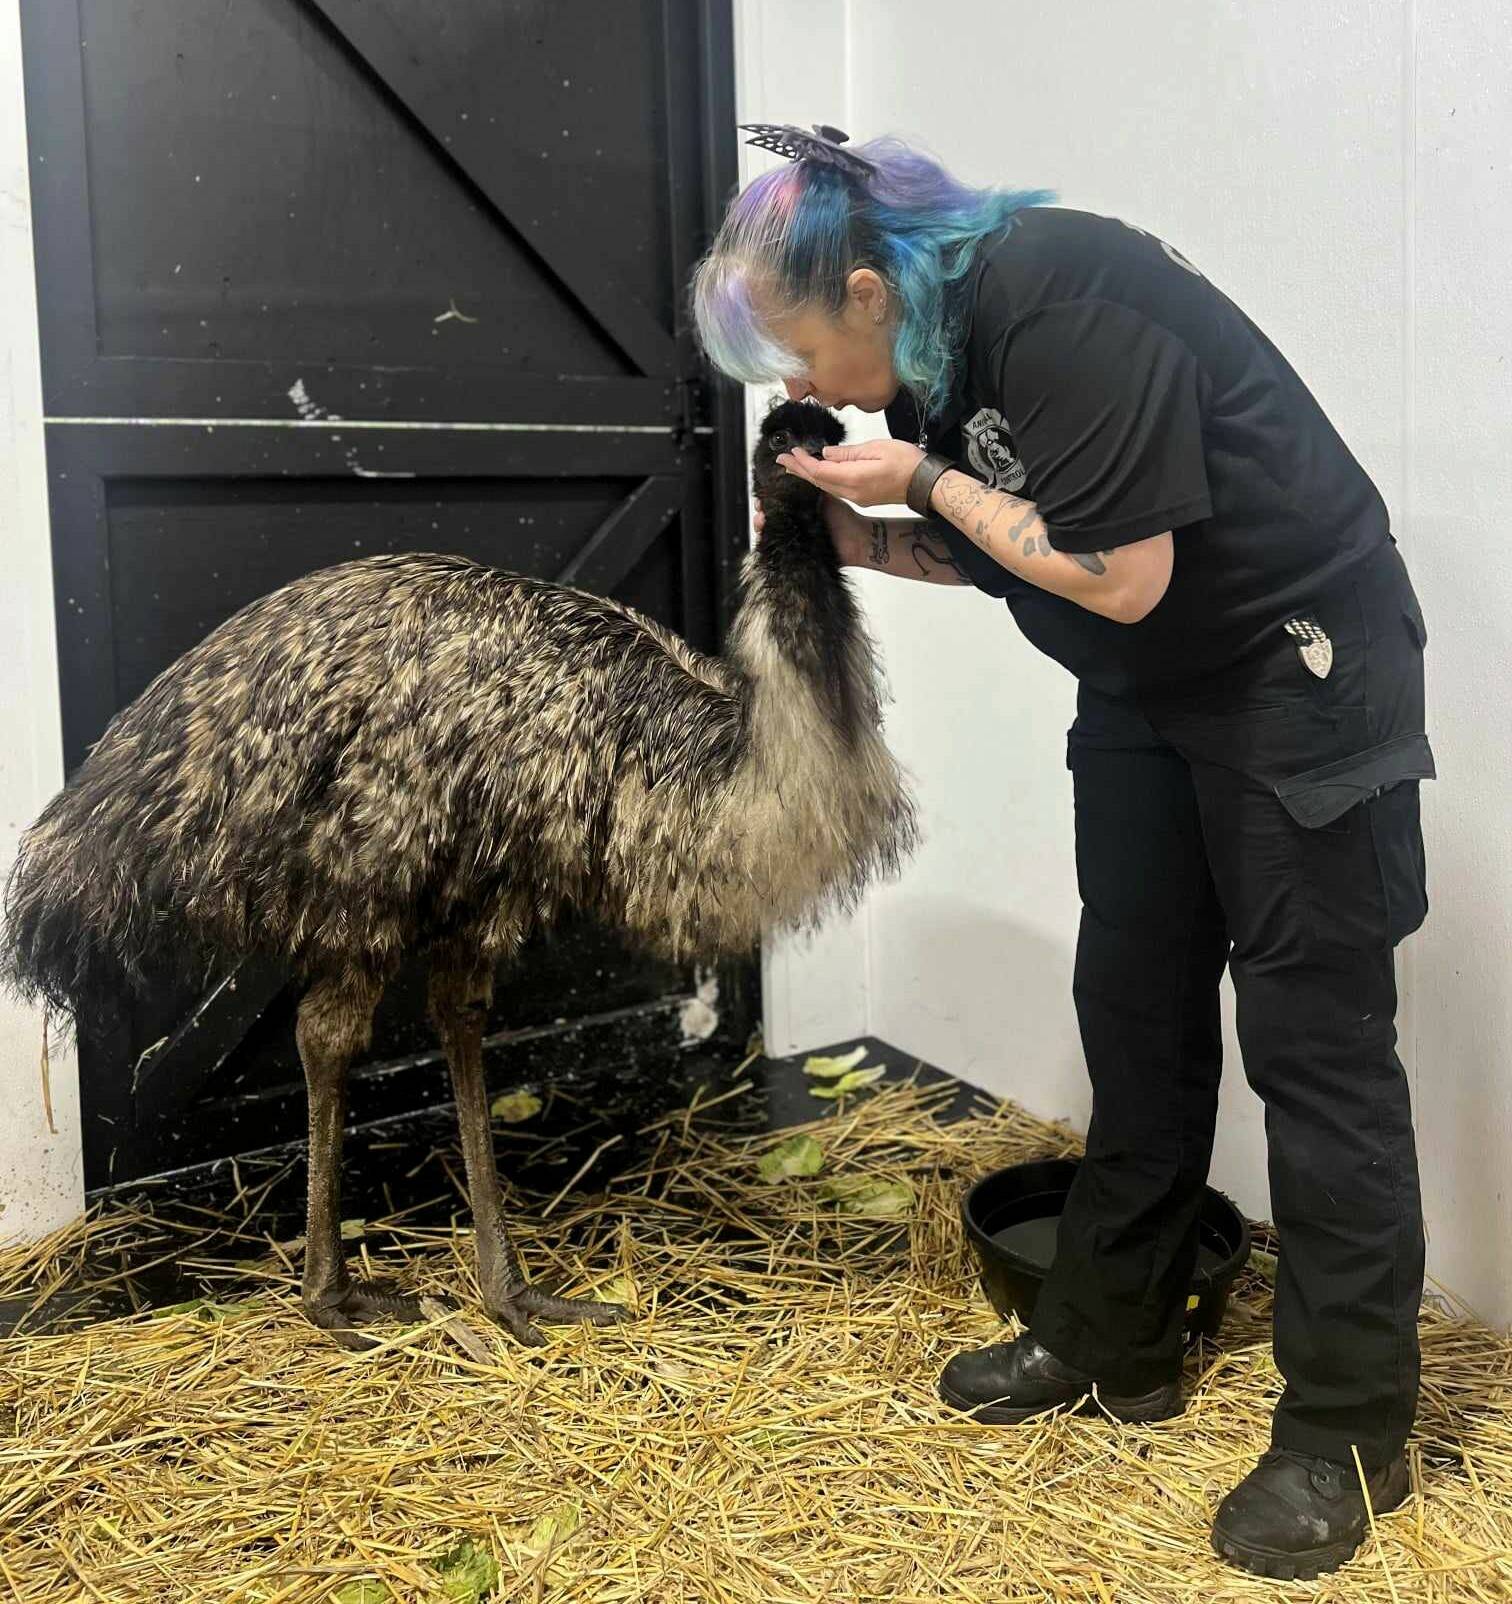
1340,169
41,1182
1458,463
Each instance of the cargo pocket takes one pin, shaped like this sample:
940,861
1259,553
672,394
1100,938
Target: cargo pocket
1382,783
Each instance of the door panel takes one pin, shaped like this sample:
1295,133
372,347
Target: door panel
325,278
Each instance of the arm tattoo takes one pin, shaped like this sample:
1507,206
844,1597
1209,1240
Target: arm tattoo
925,551
1028,516
984,524
880,554
959,502
962,501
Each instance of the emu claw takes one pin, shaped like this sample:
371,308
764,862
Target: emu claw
335,1311
514,1309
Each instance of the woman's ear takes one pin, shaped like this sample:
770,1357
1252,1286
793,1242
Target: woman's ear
867,294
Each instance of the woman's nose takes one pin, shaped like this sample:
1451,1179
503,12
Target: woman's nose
796,389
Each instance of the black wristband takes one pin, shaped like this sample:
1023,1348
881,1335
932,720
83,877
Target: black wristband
925,477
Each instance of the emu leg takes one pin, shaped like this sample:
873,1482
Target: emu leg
335,1022
458,1005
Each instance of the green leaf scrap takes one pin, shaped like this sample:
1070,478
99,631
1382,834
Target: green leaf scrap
828,1068
554,1528
549,1535
190,1306
799,1155
852,1081
766,1439
868,1196
617,1289
365,1590
468,1573
515,1107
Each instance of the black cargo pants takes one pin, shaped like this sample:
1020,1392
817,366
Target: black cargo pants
1270,824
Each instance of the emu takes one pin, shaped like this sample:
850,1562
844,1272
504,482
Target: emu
421,757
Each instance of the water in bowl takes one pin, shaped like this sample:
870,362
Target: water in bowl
1034,1240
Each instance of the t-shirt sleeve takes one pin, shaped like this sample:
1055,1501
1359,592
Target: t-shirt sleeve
985,574
1106,413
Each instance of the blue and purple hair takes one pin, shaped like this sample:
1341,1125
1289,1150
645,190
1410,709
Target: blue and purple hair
793,236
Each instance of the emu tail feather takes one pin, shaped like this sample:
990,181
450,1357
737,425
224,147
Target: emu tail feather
78,929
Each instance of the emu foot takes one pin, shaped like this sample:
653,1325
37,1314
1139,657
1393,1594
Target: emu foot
514,1307
336,1309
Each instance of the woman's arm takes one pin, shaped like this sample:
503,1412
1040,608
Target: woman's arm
1124,584
907,548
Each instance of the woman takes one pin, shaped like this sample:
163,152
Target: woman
1093,432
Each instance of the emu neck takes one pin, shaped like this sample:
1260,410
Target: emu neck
797,634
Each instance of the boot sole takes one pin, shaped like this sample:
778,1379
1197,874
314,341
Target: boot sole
1161,1404
1279,1566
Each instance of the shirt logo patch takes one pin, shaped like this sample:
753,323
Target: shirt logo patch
989,449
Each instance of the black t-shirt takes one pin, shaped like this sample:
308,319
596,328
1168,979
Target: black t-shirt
1106,380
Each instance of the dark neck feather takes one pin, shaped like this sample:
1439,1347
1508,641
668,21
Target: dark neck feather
810,614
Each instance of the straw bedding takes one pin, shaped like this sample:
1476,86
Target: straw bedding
767,1428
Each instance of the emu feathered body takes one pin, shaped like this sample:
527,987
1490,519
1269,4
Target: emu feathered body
410,750
421,756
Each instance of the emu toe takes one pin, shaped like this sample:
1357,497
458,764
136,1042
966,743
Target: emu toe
513,1310
1295,1516
336,1310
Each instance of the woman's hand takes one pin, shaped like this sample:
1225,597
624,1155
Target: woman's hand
872,474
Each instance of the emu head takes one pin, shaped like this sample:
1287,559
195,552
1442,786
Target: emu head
787,425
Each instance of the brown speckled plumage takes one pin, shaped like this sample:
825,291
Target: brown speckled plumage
417,756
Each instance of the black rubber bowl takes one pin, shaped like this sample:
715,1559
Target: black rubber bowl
1011,1217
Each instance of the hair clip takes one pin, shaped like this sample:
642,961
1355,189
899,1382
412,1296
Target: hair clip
822,146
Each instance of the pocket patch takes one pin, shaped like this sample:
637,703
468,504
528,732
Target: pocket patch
1388,829
1321,795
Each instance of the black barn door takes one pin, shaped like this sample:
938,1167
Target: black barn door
322,278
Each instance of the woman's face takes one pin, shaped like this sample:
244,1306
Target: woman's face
846,357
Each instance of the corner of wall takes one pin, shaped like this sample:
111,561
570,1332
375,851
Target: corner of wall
41,1161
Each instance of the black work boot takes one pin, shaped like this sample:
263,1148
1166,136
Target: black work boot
1012,1381
1294,1517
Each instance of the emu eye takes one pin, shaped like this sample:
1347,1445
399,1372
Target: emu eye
781,440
